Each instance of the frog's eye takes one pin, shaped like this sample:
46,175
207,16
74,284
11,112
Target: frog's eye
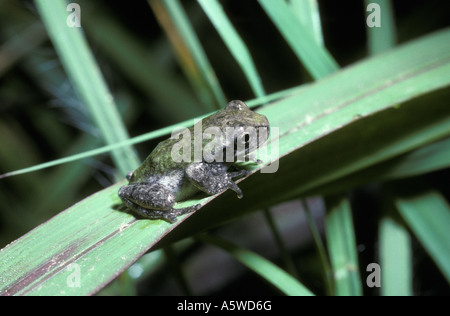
236,105
230,123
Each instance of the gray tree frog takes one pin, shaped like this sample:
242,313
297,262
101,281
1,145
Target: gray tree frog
160,181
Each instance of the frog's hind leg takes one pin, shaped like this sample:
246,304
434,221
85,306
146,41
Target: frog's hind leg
152,201
169,215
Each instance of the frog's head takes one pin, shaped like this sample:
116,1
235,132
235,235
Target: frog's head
251,129
238,114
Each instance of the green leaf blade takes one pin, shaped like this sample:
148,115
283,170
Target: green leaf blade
85,75
314,56
342,247
187,32
234,43
89,235
428,215
270,272
395,259
309,15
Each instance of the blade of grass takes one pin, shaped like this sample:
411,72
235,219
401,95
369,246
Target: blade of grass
101,150
141,67
314,57
395,258
190,50
288,262
324,260
428,215
264,268
87,80
342,246
307,11
233,41
426,159
92,247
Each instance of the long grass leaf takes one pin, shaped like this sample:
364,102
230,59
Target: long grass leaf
307,11
97,151
85,75
324,260
141,67
266,269
428,158
234,43
342,247
428,215
395,258
314,57
194,50
76,265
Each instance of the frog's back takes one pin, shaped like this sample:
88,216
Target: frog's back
160,160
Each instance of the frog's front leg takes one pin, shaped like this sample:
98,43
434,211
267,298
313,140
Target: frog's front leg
153,201
213,178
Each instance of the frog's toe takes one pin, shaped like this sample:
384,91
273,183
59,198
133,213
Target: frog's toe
233,186
239,173
172,218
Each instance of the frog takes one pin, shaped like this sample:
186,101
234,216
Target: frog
161,181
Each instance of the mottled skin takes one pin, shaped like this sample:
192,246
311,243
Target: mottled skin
159,181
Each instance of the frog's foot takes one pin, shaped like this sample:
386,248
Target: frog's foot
250,158
233,186
239,173
213,178
169,215
175,212
166,215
